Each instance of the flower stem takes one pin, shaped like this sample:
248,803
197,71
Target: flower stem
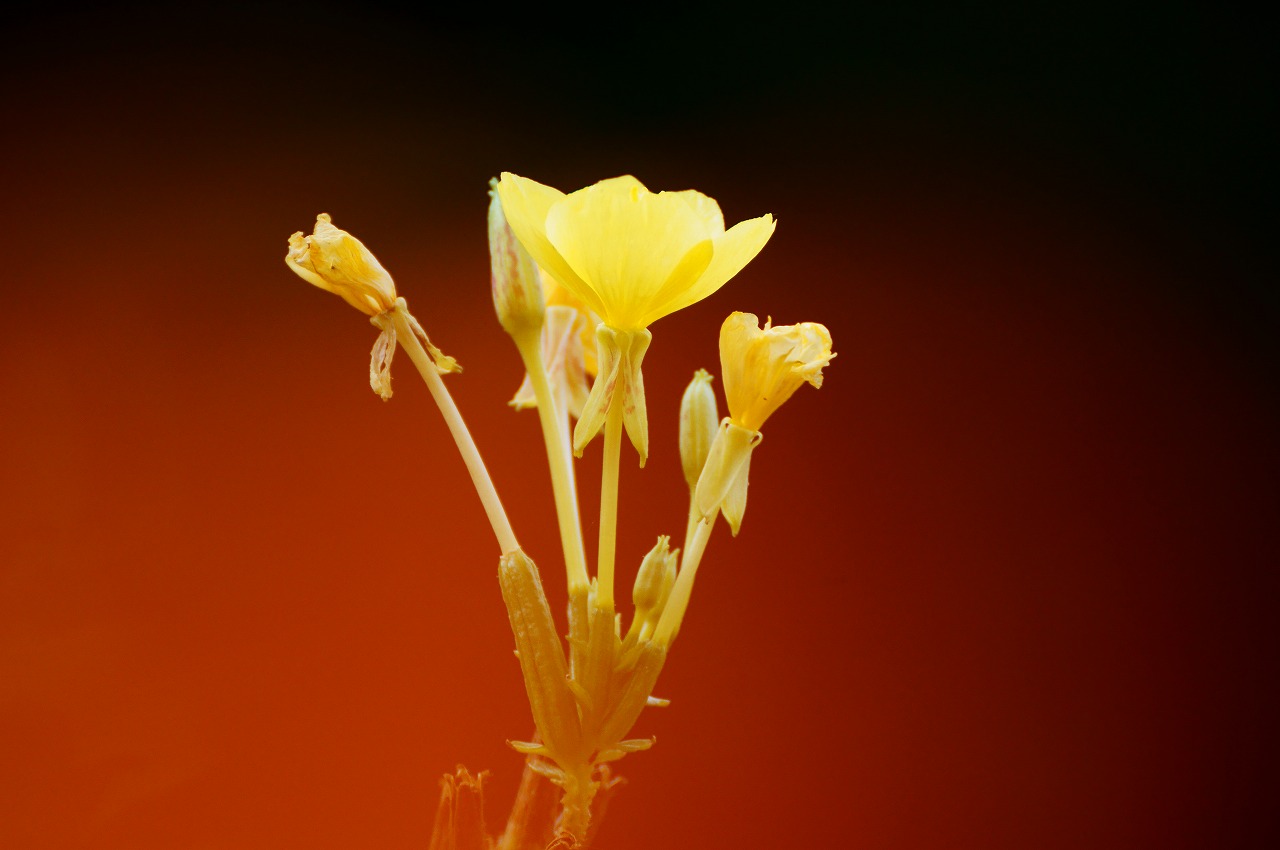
555,437
678,601
691,525
461,436
609,504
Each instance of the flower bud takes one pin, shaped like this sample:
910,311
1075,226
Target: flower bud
647,593
698,423
513,276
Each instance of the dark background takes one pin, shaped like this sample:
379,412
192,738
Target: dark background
1006,580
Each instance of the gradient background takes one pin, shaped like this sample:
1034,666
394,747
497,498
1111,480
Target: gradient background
1006,581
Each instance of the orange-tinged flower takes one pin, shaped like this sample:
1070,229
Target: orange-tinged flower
334,260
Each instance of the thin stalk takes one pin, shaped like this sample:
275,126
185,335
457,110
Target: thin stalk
609,504
691,525
678,601
461,436
555,438
579,625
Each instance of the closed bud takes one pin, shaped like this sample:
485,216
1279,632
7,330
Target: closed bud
647,593
517,291
668,582
699,420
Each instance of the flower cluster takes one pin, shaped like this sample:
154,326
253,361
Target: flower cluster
577,280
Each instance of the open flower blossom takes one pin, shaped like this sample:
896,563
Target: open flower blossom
632,256
762,368
336,261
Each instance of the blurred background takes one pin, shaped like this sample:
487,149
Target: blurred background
1005,581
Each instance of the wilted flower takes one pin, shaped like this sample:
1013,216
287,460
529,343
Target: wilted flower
336,261
762,368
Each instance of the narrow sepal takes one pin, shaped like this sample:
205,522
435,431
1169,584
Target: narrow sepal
619,355
730,450
635,694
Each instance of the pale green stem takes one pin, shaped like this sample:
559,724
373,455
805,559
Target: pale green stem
609,504
678,601
555,438
461,436
694,516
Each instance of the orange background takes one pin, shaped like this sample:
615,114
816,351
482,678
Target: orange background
1002,580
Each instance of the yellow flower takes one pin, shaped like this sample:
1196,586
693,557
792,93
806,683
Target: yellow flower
764,366
631,255
336,261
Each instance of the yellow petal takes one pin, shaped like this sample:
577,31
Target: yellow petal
706,208
526,204
733,249
683,278
627,243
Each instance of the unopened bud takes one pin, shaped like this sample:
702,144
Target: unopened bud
647,593
668,582
517,291
698,423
